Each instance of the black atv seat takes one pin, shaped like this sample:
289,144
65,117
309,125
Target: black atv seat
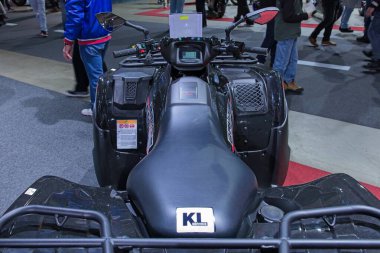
191,166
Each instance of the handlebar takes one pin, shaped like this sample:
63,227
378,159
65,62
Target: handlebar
124,52
256,50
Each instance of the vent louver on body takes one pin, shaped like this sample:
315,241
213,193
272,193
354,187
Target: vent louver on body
130,90
250,95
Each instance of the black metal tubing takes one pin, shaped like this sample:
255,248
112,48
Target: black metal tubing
287,243
47,243
195,243
284,243
105,227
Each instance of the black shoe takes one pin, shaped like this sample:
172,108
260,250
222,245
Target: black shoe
368,53
345,30
375,65
249,22
2,20
363,39
78,94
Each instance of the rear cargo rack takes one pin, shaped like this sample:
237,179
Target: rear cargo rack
284,243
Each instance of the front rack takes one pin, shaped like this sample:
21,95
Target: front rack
284,243
158,60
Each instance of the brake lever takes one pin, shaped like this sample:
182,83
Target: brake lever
148,58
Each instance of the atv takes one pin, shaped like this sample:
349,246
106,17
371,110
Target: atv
200,120
234,108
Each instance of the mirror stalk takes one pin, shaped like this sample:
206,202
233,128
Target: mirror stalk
139,28
232,27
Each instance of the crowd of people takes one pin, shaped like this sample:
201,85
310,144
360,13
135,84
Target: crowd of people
282,33
85,41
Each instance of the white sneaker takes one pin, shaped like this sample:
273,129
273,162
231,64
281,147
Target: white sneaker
86,112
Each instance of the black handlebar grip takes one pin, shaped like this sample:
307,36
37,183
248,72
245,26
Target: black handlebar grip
257,50
124,52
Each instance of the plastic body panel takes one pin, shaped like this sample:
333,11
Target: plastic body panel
260,134
113,165
332,192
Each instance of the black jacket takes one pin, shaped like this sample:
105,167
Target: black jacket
288,12
375,4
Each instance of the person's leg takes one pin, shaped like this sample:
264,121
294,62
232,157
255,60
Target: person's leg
331,13
374,37
328,17
63,12
273,53
42,15
2,14
242,9
33,4
2,9
283,51
268,40
367,23
200,7
345,17
336,13
92,57
180,5
173,6
81,77
367,20
291,68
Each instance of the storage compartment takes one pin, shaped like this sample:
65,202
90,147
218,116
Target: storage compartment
131,89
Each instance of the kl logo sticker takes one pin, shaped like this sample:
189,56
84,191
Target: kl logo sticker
195,220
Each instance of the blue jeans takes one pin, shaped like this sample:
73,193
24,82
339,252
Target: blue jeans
92,57
39,8
346,16
285,62
374,35
176,6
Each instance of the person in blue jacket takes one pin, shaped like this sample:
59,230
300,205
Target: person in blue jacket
82,25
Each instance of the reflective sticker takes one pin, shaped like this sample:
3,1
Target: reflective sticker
184,18
195,220
230,124
126,134
149,124
30,191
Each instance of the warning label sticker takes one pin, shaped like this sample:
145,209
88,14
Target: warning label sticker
126,134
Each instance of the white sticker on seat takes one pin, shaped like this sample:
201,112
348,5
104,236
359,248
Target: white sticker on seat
30,191
195,220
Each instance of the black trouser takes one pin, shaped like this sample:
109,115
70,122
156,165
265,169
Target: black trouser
6,3
79,70
242,8
332,10
270,43
200,7
367,20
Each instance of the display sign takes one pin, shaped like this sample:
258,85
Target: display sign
185,25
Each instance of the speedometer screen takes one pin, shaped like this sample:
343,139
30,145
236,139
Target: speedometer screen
189,55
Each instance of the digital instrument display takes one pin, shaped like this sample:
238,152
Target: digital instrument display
190,55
